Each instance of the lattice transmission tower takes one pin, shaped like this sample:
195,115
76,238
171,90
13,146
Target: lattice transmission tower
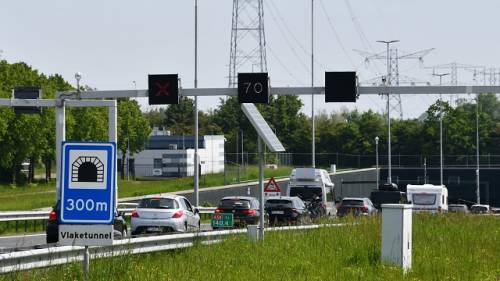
393,78
248,40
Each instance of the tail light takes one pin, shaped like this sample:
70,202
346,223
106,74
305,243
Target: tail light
364,208
53,216
218,211
135,214
294,210
250,212
177,214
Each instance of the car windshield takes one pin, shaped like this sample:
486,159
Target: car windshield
158,203
234,204
279,203
350,202
305,193
424,199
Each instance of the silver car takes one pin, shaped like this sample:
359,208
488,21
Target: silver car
165,213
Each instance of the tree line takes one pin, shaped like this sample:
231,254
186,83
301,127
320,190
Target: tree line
343,132
31,137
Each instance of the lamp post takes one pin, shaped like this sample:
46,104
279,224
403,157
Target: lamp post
478,192
78,77
440,128
376,152
388,83
196,161
313,145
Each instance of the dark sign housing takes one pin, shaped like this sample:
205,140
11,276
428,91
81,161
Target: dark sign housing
340,87
253,87
163,89
27,93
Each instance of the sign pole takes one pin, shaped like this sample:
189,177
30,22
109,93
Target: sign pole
86,263
261,189
60,137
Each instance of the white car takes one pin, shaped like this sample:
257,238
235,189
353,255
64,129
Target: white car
164,213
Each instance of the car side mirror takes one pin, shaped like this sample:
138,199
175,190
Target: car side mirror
196,211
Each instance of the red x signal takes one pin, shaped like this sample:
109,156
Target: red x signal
163,90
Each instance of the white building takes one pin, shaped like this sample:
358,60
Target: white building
173,156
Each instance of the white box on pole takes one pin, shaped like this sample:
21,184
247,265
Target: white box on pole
397,234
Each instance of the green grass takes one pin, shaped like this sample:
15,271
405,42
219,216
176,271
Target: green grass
447,247
34,196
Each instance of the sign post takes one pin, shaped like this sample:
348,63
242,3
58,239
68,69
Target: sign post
88,179
272,188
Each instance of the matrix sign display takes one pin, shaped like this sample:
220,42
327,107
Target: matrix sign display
253,87
163,89
340,86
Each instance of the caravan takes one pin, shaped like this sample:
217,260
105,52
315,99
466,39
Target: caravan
310,184
428,197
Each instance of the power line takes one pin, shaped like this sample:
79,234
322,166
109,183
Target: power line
334,30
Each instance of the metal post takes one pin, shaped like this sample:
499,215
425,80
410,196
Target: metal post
113,137
313,149
261,189
60,137
376,157
196,129
478,192
86,263
389,177
425,170
237,155
388,83
441,127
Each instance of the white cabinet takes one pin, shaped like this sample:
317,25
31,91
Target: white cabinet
397,234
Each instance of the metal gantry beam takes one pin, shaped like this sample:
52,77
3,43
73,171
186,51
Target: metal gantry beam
279,91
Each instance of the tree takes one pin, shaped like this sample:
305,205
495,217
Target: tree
133,129
179,118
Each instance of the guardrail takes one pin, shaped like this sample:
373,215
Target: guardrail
66,254
43,215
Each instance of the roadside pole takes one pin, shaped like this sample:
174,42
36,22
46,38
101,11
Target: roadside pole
261,189
86,263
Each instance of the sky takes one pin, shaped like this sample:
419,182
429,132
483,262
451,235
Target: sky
114,43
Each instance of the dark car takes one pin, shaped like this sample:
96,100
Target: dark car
458,208
287,210
52,229
245,209
356,206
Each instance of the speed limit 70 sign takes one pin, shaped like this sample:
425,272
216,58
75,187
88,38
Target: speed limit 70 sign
253,87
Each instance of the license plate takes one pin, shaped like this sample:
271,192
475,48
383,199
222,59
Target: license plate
153,229
277,212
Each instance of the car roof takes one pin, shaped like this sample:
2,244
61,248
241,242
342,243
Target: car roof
169,196
355,198
239,197
282,197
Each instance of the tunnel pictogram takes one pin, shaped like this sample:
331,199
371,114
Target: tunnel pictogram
87,169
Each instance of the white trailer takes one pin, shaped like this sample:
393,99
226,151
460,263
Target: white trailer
428,197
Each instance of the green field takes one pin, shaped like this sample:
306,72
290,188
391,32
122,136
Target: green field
445,247
34,196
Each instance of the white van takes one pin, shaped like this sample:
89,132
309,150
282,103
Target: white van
308,183
428,197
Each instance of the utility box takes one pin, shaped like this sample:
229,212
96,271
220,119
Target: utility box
397,234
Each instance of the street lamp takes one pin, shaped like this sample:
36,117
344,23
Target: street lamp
441,126
478,192
196,129
78,76
388,83
313,145
376,152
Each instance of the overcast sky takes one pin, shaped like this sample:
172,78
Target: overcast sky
116,42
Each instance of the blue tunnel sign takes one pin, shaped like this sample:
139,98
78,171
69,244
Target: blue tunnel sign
88,183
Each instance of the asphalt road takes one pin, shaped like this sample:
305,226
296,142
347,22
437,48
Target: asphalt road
21,241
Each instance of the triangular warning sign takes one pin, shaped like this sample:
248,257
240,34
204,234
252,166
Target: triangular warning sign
272,186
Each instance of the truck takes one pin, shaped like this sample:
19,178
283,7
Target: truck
428,197
310,184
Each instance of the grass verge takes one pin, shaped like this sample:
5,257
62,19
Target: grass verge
446,247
